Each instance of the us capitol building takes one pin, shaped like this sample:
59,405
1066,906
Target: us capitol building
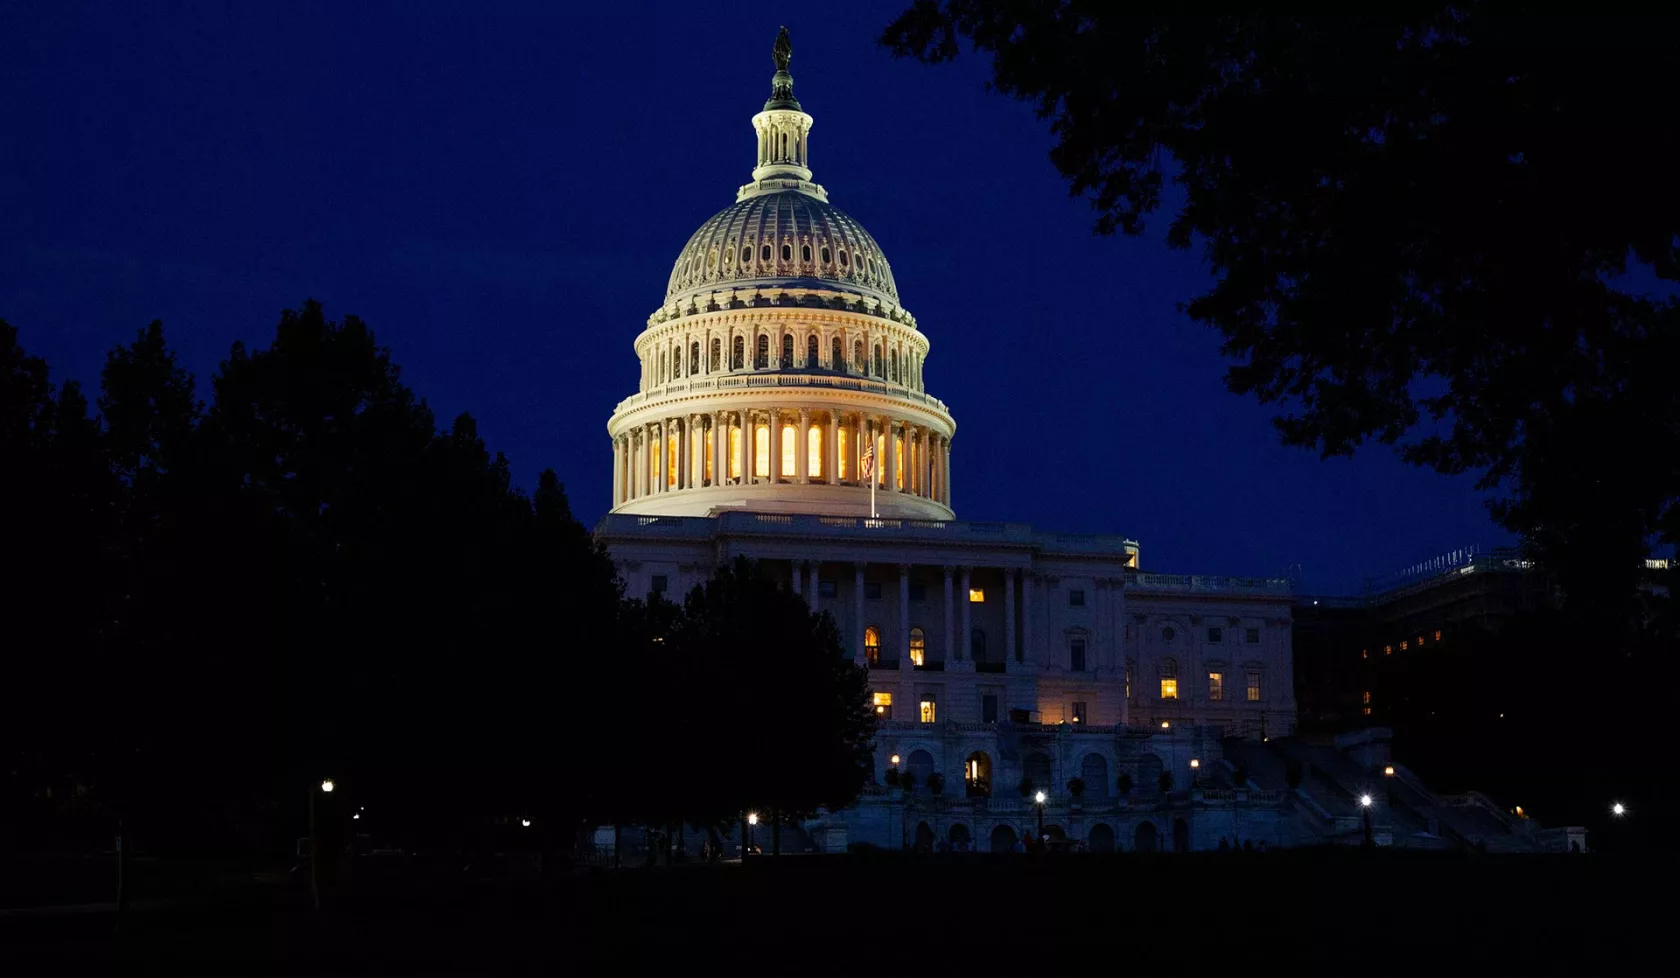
781,354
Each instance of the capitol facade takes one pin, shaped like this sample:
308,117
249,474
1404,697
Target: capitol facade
781,364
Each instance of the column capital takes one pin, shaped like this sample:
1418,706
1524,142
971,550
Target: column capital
904,568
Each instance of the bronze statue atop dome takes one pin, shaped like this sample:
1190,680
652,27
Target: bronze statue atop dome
783,51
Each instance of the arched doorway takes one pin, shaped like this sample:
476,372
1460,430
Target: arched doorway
1093,770
1101,838
1145,839
1003,839
920,764
1037,767
1181,835
977,775
924,837
959,835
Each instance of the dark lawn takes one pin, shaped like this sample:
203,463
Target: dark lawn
1345,912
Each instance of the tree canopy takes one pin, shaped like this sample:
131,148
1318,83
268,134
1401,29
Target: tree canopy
1450,227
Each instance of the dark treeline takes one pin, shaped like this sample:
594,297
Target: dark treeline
213,604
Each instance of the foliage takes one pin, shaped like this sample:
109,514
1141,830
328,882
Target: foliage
892,776
1428,226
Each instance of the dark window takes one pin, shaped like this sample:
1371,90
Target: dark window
1079,711
660,583
1216,634
737,354
761,357
811,352
805,253
836,355
872,590
857,356
826,258
764,253
1077,648
843,260
918,592
787,252
1076,599
825,589
746,254
977,645
787,351
693,358
988,708
1167,634
1252,636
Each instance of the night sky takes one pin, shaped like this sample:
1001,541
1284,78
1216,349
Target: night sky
500,191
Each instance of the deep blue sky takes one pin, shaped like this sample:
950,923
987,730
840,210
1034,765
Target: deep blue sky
499,191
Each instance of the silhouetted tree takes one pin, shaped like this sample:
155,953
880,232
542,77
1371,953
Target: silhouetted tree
1427,227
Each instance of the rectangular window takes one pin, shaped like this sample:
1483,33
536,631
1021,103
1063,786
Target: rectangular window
976,595
826,589
1078,711
872,590
988,708
1076,599
1367,697
1169,689
845,452
1216,635
883,705
790,450
918,592
761,451
1216,686
1254,685
735,453
928,712
1365,710
1076,650
660,583
1251,636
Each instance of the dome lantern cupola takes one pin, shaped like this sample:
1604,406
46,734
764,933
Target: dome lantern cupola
784,132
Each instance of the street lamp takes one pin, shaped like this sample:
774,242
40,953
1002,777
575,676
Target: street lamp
1388,771
1040,799
752,820
1364,801
895,760
315,846
525,822
1195,763
1618,809
327,785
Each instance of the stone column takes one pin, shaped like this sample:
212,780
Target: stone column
946,463
966,634
859,441
832,453
811,591
1009,615
775,446
857,613
796,573
618,469
927,462
904,617
950,615
802,448
720,445
685,440
889,448
749,445
696,451
1027,642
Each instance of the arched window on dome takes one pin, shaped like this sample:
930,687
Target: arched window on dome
764,253
880,365
790,451
711,260
746,254
728,257
737,353
761,356
811,352
827,259
787,351
837,355
694,358
844,261
664,366
857,356
676,362
805,254
787,252
717,355
814,451
892,367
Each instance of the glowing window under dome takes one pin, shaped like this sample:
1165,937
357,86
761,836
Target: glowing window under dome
790,449
814,451
761,451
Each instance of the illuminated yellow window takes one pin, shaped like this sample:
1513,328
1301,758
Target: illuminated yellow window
1420,640
883,705
761,451
1403,645
928,710
1216,686
1365,710
879,476
790,449
709,463
1437,636
1364,653
1254,686
814,452
977,595
673,462
1388,650
1367,696
872,644
844,444
898,449
918,646
734,452
1169,689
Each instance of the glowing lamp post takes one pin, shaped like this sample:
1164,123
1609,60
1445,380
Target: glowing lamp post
1618,809
315,846
752,820
1040,797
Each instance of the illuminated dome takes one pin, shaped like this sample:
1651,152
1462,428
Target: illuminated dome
781,374
782,237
